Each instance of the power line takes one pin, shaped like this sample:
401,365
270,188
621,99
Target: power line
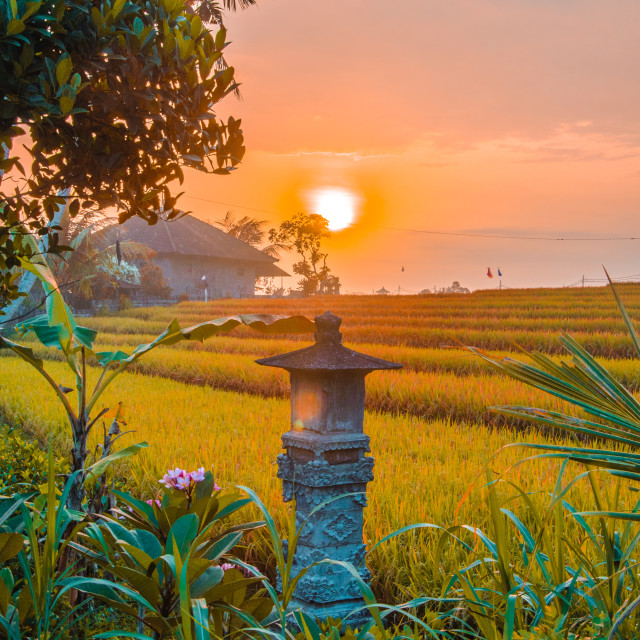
229,204
446,233
505,237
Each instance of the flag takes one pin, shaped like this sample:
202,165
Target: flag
489,274
499,272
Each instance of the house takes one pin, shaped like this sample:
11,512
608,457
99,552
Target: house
195,256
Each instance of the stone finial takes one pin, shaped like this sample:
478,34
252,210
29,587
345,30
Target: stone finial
328,329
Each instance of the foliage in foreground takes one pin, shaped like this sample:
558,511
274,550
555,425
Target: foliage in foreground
117,98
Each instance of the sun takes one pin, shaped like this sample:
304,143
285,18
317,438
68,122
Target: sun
338,206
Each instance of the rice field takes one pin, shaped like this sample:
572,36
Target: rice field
432,429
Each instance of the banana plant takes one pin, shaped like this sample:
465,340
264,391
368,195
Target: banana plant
58,329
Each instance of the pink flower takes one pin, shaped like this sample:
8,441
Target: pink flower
216,487
182,481
197,476
169,480
245,571
158,504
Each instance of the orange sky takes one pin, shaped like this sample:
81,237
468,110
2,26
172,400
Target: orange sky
506,117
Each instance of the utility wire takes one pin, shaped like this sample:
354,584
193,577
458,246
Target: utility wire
446,233
505,237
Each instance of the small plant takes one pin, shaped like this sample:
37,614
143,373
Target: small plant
174,553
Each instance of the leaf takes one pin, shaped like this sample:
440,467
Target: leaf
98,468
222,546
63,71
104,589
66,104
10,546
200,619
24,352
174,333
627,319
209,579
14,27
5,598
184,532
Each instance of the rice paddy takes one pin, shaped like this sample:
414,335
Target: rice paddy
431,426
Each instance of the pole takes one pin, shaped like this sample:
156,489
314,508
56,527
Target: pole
583,280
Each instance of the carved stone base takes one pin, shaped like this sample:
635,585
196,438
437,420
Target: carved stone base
353,613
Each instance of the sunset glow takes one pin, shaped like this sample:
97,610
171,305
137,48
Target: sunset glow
336,205
489,129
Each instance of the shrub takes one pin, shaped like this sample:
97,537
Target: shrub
23,463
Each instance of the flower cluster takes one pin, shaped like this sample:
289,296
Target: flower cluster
179,478
182,480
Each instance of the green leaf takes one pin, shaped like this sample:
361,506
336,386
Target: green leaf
98,468
627,319
24,352
200,619
66,104
174,333
10,546
63,72
184,532
209,579
221,37
14,27
222,546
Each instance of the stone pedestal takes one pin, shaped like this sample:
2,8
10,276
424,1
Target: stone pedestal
325,470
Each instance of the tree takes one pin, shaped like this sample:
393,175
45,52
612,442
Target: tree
152,281
99,261
304,233
251,231
116,97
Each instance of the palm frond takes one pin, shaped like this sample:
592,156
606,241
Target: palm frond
612,413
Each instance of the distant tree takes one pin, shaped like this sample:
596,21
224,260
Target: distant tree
153,282
211,11
249,230
116,97
456,288
304,233
99,260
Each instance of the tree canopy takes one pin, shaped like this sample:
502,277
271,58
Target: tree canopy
304,233
113,99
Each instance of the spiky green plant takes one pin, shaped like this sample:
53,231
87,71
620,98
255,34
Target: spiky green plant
613,417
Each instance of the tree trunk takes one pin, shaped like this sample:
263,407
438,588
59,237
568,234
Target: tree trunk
78,459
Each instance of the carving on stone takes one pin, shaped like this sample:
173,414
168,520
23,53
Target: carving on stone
319,473
341,527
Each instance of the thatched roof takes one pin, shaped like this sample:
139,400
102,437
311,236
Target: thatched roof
190,236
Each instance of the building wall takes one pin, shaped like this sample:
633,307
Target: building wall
225,278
